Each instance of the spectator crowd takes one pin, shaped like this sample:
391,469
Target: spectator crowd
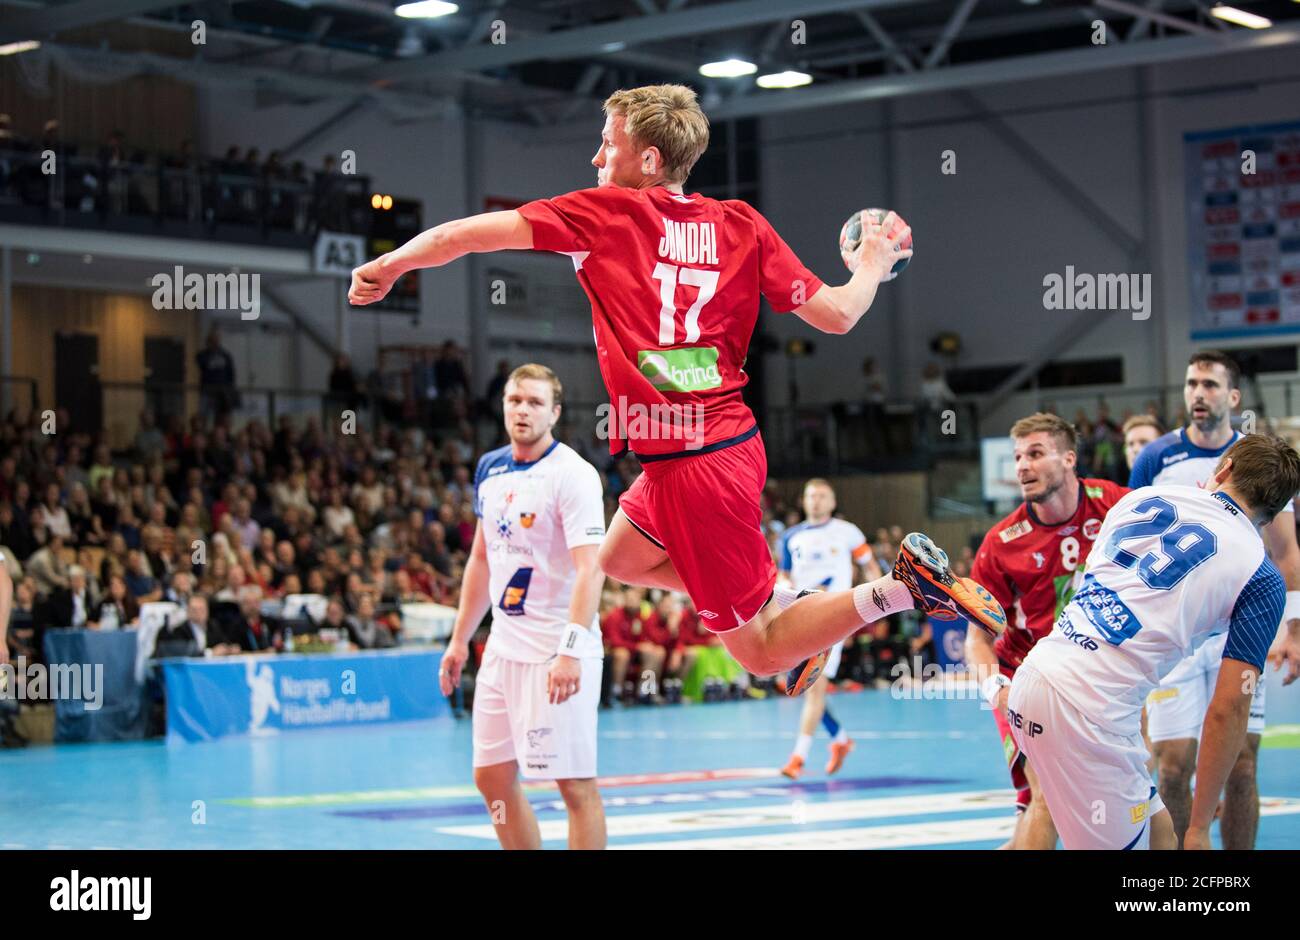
233,524
116,178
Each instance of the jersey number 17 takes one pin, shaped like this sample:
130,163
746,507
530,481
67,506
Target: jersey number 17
669,276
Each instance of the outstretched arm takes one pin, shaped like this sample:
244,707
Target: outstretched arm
488,231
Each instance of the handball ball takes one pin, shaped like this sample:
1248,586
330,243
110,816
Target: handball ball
851,240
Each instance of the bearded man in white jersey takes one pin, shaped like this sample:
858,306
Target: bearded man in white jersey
1188,456
534,562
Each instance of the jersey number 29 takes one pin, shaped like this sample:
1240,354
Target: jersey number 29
1182,546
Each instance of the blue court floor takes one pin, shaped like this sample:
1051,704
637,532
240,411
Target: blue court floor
925,774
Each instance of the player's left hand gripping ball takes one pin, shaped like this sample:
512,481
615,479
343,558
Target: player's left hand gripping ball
851,239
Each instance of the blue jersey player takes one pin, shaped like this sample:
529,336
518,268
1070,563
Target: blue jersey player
1173,568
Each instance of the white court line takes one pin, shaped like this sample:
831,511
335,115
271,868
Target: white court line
788,813
903,835
867,837
771,735
796,813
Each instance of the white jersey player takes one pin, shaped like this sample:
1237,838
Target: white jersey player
1173,566
534,563
1188,457
821,554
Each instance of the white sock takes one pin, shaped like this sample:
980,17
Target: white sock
784,596
841,737
802,745
881,597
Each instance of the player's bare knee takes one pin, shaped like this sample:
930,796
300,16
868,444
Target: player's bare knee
751,646
760,663
579,794
1241,779
495,781
1175,774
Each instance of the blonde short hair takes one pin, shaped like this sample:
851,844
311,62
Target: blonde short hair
819,481
667,117
1142,421
533,370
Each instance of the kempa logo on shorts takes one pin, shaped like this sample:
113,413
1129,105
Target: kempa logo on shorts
680,370
102,894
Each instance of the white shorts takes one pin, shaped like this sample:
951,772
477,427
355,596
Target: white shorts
1176,708
1095,782
833,660
513,721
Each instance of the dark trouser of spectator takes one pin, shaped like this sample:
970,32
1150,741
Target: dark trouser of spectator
614,674
651,658
851,660
883,655
217,401
606,681
9,736
680,661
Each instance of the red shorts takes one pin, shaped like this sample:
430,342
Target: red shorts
704,511
1015,760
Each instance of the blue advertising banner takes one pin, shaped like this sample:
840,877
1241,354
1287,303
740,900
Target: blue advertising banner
93,684
949,642
267,695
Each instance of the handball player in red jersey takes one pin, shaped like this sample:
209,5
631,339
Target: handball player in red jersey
674,281
1032,561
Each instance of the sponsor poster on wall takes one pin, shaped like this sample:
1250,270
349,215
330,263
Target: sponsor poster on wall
1243,230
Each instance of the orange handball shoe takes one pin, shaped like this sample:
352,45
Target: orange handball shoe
923,567
838,753
801,678
793,767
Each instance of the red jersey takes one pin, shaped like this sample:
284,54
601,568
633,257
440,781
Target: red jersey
674,283
658,631
1033,569
693,632
619,629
